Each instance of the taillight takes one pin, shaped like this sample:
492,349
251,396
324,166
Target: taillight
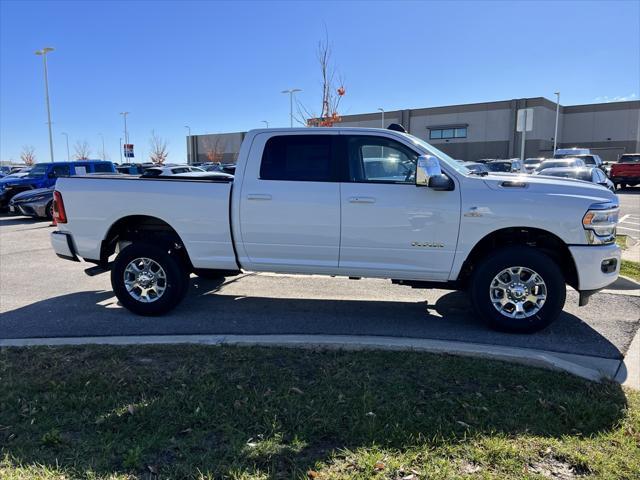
58,208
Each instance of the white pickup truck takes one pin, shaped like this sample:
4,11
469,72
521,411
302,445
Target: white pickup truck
351,202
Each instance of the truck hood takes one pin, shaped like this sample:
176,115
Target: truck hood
562,187
6,182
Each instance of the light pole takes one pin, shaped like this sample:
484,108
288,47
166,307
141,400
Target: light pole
189,161
43,53
104,156
126,133
382,121
291,91
120,149
68,156
555,136
266,123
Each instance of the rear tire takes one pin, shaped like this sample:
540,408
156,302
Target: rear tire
49,211
498,305
148,280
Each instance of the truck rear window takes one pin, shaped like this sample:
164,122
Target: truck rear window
629,159
305,158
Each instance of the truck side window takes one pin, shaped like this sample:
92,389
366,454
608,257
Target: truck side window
61,170
305,158
380,160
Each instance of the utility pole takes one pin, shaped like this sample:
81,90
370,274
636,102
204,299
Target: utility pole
382,122
120,150
68,155
189,154
43,53
555,136
291,92
104,156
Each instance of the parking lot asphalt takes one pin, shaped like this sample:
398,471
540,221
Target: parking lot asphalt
43,296
630,212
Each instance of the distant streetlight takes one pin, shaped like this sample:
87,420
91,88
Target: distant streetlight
382,120
68,155
265,123
104,156
291,92
555,136
43,53
189,161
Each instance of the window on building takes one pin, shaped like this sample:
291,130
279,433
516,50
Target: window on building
442,133
306,158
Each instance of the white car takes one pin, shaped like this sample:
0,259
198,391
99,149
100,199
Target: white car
559,163
181,170
304,201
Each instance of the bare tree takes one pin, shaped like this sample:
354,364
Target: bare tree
214,149
82,150
158,152
28,155
332,92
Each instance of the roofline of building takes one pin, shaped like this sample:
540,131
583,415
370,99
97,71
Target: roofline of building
498,105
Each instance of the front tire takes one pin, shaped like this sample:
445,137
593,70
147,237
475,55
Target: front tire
518,289
148,280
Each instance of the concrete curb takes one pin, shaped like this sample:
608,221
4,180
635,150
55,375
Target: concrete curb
590,368
629,371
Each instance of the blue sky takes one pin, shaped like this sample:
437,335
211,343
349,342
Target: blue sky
220,66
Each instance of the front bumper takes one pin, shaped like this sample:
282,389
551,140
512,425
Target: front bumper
597,265
62,244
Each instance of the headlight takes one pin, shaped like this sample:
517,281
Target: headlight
600,223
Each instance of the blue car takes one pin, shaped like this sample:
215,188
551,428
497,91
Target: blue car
44,175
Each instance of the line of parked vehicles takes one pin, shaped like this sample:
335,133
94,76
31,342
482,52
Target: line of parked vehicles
29,190
576,163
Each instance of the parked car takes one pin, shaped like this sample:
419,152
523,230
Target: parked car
626,171
560,163
586,174
131,168
530,164
570,152
504,166
44,175
182,171
294,206
33,203
476,167
18,173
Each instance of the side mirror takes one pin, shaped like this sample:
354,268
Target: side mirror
428,166
441,182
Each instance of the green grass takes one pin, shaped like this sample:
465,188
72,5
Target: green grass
630,269
621,241
256,413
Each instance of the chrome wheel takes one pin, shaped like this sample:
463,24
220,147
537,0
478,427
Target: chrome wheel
518,292
145,280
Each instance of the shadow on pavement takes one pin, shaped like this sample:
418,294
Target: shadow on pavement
205,311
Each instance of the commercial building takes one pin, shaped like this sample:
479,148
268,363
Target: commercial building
488,130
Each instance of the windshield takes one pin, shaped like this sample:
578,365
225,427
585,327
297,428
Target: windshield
532,161
545,165
457,166
38,171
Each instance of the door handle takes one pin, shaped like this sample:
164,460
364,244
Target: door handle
258,196
362,200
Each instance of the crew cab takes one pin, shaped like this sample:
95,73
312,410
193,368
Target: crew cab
351,202
626,171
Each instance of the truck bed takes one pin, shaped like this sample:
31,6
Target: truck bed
197,209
